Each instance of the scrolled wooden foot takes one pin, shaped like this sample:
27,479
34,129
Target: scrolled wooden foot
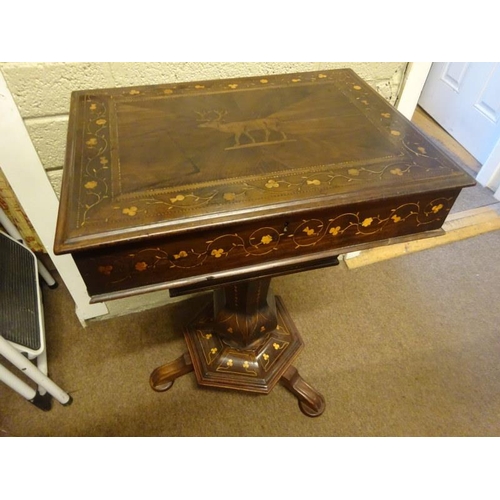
163,377
311,402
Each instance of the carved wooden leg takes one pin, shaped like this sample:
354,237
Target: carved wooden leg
162,379
311,402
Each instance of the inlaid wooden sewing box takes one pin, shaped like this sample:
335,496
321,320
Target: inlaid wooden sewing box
206,184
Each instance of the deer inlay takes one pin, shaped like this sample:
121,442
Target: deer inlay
257,131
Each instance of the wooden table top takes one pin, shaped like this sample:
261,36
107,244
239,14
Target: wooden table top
164,160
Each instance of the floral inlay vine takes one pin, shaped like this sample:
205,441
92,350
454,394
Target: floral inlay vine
267,239
95,158
312,231
144,206
261,242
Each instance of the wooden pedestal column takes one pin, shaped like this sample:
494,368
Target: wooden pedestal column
245,340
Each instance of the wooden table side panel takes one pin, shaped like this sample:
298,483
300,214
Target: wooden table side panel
212,251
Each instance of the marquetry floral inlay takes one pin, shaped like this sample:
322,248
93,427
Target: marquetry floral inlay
95,170
106,270
217,253
130,211
179,197
396,171
246,364
276,346
229,362
272,184
265,356
181,255
141,266
263,80
266,240
314,182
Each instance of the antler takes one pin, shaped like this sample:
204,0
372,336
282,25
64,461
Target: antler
203,116
210,116
220,113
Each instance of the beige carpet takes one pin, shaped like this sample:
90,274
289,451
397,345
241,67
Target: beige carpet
406,347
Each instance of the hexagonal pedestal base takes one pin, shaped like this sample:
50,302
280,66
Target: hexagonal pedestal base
257,370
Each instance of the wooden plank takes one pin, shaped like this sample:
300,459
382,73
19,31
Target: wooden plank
458,226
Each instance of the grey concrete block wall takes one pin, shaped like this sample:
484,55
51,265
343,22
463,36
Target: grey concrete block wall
42,90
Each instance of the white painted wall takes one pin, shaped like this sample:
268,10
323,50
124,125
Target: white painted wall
42,92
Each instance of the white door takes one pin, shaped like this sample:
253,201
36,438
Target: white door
464,98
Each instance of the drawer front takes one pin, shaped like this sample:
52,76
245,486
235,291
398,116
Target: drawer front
170,261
